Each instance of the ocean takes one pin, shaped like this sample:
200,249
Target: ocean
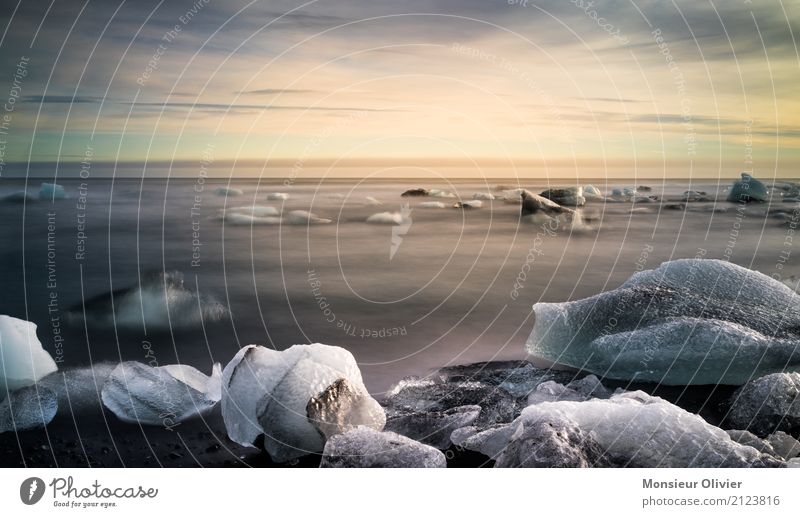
444,286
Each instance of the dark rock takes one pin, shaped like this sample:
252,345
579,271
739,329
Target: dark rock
415,192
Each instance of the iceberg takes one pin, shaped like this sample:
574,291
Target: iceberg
160,302
466,205
228,192
415,192
277,196
251,215
31,407
23,361
164,395
485,196
395,218
570,196
431,204
748,189
435,192
768,404
533,204
52,191
592,191
690,321
296,398
630,429
364,447
303,217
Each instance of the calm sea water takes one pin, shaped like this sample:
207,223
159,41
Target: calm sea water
450,286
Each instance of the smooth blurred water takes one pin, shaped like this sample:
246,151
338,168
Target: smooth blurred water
447,295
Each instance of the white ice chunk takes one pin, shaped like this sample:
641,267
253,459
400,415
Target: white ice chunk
435,192
486,196
295,398
431,204
365,447
278,196
395,218
23,361
162,395
228,192
251,215
301,217
690,321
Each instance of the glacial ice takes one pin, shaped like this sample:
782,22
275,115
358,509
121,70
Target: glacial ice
162,301
295,398
395,218
52,191
767,404
551,444
435,192
748,189
570,196
630,429
432,427
163,395
364,447
251,215
277,196
690,321
533,204
475,203
30,407
592,191
23,361
785,446
78,389
228,192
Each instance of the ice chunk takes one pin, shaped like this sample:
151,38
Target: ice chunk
517,378
485,196
303,217
395,218
278,196
533,204
551,444
27,408
295,398
690,321
365,447
784,445
164,395
435,192
634,429
768,404
52,191
475,203
78,389
415,192
490,442
592,191
748,189
228,192
23,361
570,196
162,301
431,204
751,440
432,427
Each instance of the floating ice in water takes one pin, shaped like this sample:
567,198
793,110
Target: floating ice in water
435,192
486,196
160,302
690,321
23,361
295,398
630,429
386,218
278,196
641,210
228,192
251,215
768,404
431,204
570,196
165,395
52,191
371,201
27,408
301,217
591,191
475,203
533,204
748,189
364,447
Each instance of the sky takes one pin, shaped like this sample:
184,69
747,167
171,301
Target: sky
617,88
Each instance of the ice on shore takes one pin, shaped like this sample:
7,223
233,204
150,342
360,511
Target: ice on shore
767,404
364,447
296,398
432,427
164,395
228,192
23,361
629,429
31,407
748,189
52,191
162,301
689,321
